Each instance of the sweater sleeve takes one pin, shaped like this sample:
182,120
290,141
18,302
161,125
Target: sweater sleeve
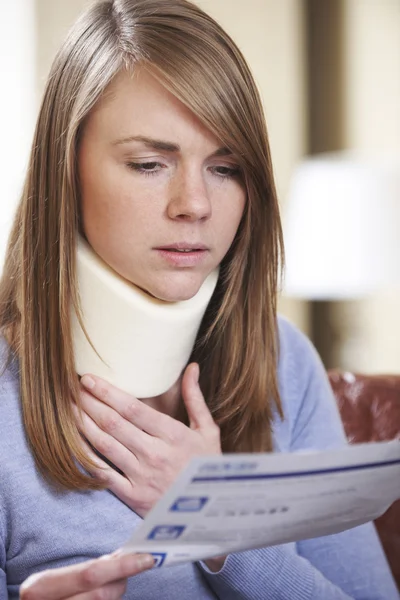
348,565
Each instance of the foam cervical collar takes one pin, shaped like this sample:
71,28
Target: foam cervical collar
144,343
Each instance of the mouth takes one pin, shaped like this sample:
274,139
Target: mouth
183,254
182,250
184,247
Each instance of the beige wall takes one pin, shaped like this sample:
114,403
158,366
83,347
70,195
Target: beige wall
372,74
372,123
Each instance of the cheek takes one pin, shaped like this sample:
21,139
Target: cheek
120,220
234,210
93,190
107,201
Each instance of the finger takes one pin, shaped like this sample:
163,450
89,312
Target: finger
110,448
116,482
135,411
114,424
111,591
197,409
104,472
56,584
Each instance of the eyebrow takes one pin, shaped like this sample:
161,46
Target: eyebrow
163,145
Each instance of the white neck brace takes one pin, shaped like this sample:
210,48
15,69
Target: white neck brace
144,343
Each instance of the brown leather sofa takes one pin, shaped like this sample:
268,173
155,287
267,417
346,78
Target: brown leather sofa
370,410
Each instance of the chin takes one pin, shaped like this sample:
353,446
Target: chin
171,295
175,290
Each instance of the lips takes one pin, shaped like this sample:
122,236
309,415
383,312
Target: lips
183,254
183,247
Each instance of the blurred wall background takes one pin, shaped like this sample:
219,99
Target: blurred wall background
329,76
17,103
371,121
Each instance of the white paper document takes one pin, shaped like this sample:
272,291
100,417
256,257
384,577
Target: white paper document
233,502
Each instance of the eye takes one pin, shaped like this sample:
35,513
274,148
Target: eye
226,172
146,168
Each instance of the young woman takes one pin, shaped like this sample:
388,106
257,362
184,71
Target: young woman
151,150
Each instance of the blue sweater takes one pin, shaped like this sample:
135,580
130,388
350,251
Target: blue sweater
42,528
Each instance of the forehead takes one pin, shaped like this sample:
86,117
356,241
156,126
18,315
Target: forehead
138,103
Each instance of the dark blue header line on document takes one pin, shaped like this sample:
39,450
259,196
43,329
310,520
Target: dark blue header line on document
389,463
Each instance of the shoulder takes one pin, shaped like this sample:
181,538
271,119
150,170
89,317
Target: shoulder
9,381
298,359
9,368
13,444
11,433
311,415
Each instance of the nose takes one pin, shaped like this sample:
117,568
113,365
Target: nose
189,197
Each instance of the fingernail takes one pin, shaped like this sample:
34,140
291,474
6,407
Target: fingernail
88,382
144,561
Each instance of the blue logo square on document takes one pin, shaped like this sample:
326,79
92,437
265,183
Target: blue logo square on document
189,504
159,558
164,533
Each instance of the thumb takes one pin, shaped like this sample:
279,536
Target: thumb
197,409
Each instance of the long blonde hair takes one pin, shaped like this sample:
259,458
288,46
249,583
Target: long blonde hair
237,346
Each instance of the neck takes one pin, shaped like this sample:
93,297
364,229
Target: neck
169,403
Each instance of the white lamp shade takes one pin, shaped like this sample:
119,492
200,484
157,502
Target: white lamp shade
342,227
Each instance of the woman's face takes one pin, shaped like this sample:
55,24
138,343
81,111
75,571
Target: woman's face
161,199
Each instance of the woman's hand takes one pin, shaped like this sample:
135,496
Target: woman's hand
149,447
104,578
